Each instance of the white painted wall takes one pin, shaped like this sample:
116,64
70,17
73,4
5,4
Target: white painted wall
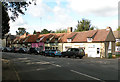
117,48
90,48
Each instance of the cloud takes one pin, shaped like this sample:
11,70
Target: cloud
39,10
18,23
94,7
59,16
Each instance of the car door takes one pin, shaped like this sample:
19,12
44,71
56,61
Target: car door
68,52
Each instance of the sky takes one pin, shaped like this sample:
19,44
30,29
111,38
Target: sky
60,14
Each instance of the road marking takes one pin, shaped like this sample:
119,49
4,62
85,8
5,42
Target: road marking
87,75
56,65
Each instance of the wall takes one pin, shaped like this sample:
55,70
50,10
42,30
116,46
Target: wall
90,48
4,42
38,45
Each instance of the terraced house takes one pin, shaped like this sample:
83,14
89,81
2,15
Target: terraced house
96,43
117,37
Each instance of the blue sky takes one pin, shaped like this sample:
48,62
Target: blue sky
60,14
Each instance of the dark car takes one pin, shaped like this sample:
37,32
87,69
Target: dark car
74,52
23,50
1,49
16,50
13,49
34,50
6,49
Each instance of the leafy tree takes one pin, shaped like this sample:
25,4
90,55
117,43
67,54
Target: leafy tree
34,32
84,25
21,31
45,31
118,28
16,8
51,31
5,21
61,31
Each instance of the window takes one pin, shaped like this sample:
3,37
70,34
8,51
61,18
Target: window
42,38
69,49
89,39
81,50
98,50
117,40
76,49
118,49
69,40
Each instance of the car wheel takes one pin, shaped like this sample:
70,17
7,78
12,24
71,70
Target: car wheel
53,55
81,57
69,57
74,56
59,55
36,53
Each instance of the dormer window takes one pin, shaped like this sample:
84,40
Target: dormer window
89,39
56,39
42,38
69,40
47,40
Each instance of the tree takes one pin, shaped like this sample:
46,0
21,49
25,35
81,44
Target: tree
45,31
84,25
61,31
5,21
21,31
118,28
34,32
51,31
16,8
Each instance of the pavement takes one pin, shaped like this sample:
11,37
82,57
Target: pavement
36,67
8,70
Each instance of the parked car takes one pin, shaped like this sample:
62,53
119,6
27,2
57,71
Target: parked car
1,48
55,53
23,50
6,49
12,49
34,50
45,53
16,49
74,52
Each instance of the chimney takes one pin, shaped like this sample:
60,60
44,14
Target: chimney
108,28
37,33
24,35
69,29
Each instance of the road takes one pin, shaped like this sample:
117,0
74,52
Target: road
37,67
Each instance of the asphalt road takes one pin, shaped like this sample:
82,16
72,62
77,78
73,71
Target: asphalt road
37,67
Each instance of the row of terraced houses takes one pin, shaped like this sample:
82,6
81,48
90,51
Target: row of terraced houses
96,43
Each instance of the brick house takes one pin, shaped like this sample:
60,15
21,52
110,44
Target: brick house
96,43
117,37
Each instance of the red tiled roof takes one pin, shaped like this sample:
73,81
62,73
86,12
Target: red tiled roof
116,34
32,38
57,35
97,35
101,35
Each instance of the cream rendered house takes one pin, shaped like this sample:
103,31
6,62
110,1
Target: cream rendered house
96,43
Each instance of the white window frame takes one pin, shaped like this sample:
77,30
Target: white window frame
69,40
117,40
89,39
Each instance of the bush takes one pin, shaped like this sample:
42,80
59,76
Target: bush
109,55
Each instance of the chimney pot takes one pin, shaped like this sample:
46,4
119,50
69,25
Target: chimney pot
69,29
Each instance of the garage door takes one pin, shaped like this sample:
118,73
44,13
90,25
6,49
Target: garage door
93,51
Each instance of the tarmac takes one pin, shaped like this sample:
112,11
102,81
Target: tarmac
8,71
